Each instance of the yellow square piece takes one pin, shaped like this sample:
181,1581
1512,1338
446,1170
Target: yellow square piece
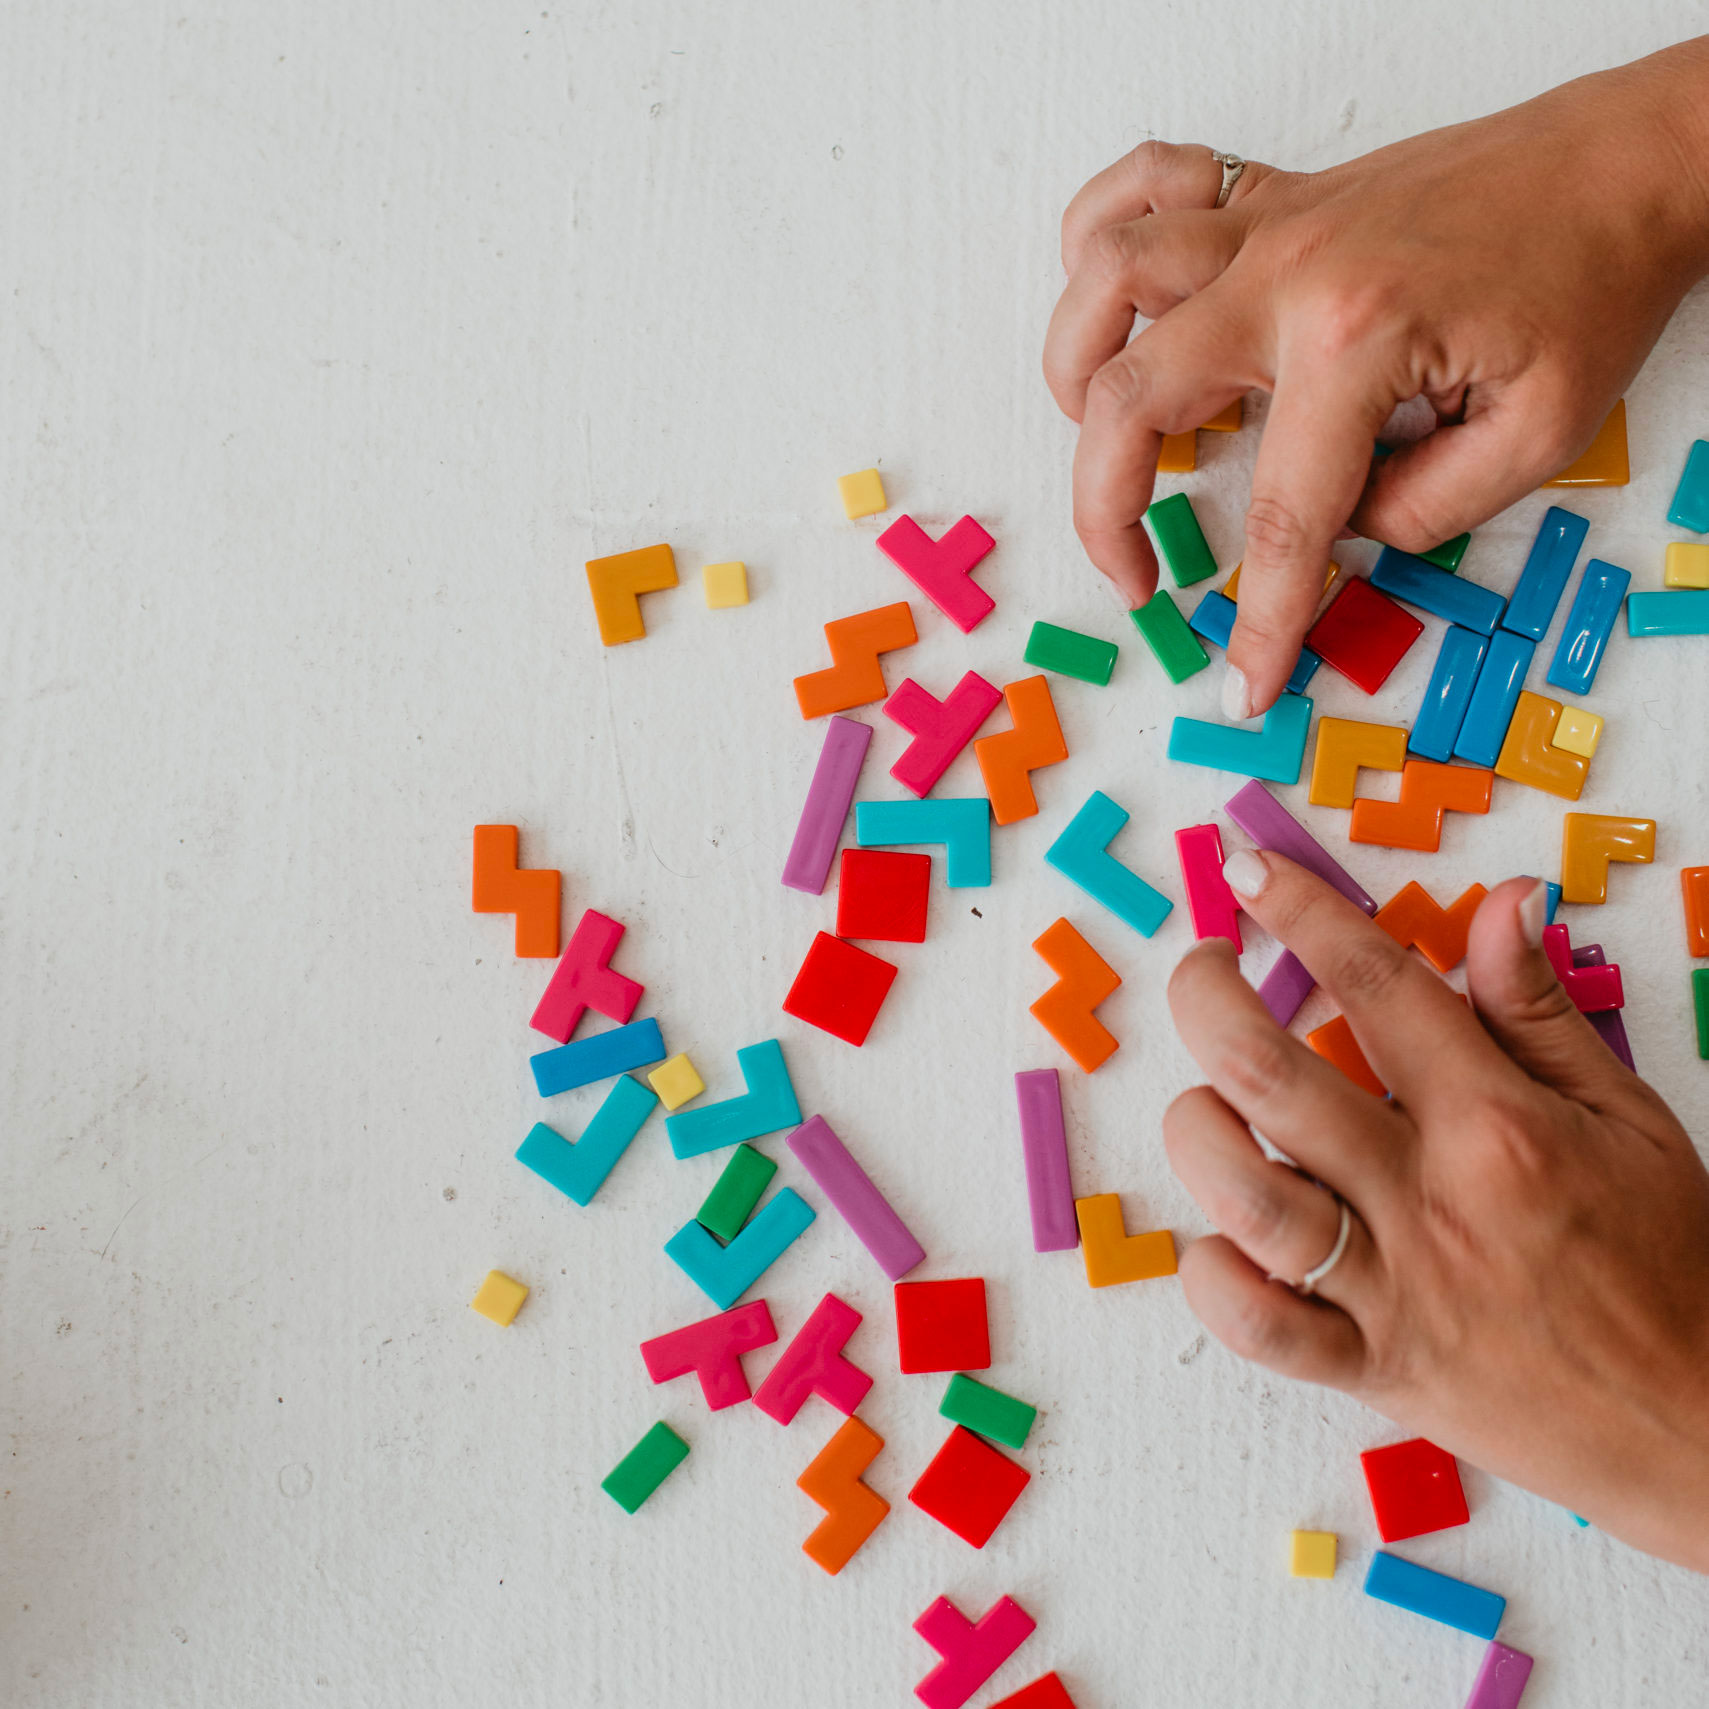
1687,565
1231,587
500,1298
725,584
1313,1554
1225,420
862,493
1178,454
1578,731
1606,463
676,1081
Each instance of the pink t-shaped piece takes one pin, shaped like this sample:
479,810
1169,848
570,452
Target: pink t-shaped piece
711,1349
971,1653
1215,912
813,1363
940,728
1592,989
943,569
582,981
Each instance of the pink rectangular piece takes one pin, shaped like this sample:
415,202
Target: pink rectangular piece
1050,1190
859,1203
1595,987
1215,912
827,806
1501,1680
940,728
943,569
582,980
711,1349
814,1363
971,1653
1271,826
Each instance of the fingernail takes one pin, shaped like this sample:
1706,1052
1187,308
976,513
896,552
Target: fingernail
1532,907
1245,874
1236,696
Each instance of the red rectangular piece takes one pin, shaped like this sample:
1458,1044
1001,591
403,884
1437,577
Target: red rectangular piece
942,1326
840,988
882,894
1363,634
969,1487
1415,1488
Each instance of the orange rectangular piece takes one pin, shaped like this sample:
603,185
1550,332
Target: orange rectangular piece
1345,744
1426,791
1606,463
1694,882
532,895
1416,920
1528,754
1179,454
615,583
1083,980
1589,841
1007,759
1225,420
852,1511
855,677
1334,1042
1112,1254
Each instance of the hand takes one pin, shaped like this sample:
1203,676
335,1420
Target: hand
1527,1278
1513,271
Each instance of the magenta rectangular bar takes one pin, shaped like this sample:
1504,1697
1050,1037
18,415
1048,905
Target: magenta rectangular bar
826,810
1609,1026
1501,1680
860,1204
1215,912
1271,826
1050,1192
1285,987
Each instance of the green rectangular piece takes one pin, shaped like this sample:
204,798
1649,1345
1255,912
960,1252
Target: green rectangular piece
1166,633
645,1467
1447,556
1069,653
1181,540
1700,1002
987,1411
735,1193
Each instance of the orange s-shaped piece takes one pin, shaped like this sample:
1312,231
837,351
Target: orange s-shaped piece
1007,759
501,887
1427,790
1416,920
855,677
1083,980
852,1511
1334,1042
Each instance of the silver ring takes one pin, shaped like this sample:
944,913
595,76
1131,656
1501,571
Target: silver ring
1308,1283
1232,167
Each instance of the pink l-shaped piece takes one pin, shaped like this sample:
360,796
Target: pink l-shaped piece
943,569
813,1363
711,1349
971,1653
940,728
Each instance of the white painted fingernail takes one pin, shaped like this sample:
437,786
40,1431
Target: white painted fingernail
1532,908
1244,873
1236,696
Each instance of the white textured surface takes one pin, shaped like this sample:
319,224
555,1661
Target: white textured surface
336,339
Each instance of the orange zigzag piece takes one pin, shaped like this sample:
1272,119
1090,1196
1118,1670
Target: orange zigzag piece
615,583
855,678
1083,980
501,887
1334,1042
1427,790
1416,920
852,1511
1007,759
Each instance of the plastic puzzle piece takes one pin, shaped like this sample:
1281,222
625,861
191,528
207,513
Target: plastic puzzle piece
1589,841
862,493
961,823
1213,618
725,1273
1578,731
1590,622
1690,507
1687,565
1275,751
826,809
725,585
1044,1144
840,988
940,728
1592,989
1164,630
1414,1488
767,1105
584,979
1544,578
969,1487
676,1081
1178,454
1416,920
1211,903
712,1350
499,1298
1081,854
616,584
1045,1692
1530,754
1226,420
1551,901
854,1195
1069,653
1417,1589
1442,593
1605,463
853,1511
883,895
1677,612
1312,1554
1700,1009
1343,746
640,1472
855,677
1447,556
1443,710
1501,1680
741,1184
1363,635
943,569
1605,1022
1083,980
942,1326
971,1653
1427,790
599,1056
1180,539
578,1169
1334,1042
1113,1255
987,1412
1271,826
502,887
1285,987
814,1364
1694,888
1008,759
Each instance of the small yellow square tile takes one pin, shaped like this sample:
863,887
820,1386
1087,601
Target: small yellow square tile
1578,731
1313,1554
500,1297
862,493
1687,565
676,1081
1178,454
726,585
1231,587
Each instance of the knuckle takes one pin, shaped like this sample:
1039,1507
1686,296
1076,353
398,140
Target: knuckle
1257,1067
1256,1216
1148,160
1108,254
1119,388
1369,968
1274,528
1343,315
1255,1330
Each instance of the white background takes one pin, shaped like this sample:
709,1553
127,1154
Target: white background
335,339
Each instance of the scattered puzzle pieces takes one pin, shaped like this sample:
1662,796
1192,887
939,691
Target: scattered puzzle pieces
640,1472
1694,886
942,1326
840,988
712,1350
943,569
1180,540
741,1184
857,1200
1083,980
676,1081
940,728
1275,751
853,1511
1215,912
1008,759
987,1412
616,584
725,1273
578,1169
1045,1692
1414,1488
725,585
1343,746
826,809
855,677
499,1298
584,979
768,1104
1434,1595
814,1364
1501,1680
1589,841
502,887
1415,920
1593,989
1363,635
862,493
971,1653
1604,463
883,895
1165,631
961,823
1312,1554
1081,854
1069,653
969,1487
1427,790
1530,753
1044,1141
599,1056
1113,1255
1334,1042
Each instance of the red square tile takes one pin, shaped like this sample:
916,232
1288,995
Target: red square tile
1363,634
882,894
1415,1487
1046,1693
941,1326
840,988
969,1487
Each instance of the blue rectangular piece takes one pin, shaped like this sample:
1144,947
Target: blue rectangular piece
961,823
1589,624
725,1273
1275,752
1544,578
579,1168
1437,726
1213,617
1402,576
1490,710
1080,854
1551,901
1690,507
768,1104
597,1057
1677,611
1434,1595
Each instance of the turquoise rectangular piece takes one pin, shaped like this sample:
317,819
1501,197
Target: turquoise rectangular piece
1589,624
597,1057
579,1168
1434,1595
1443,710
1213,618
769,1103
1544,578
1069,653
1274,752
1080,854
1690,507
961,823
1402,576
1490,709
1551,901
1677,611
1181,540
635,1477
1165,632
725,1273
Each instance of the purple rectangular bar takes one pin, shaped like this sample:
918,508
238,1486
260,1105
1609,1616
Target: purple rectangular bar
860,1204
1271,826
1609,1026
1285,987
826,809
1501,1680
1050,1192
